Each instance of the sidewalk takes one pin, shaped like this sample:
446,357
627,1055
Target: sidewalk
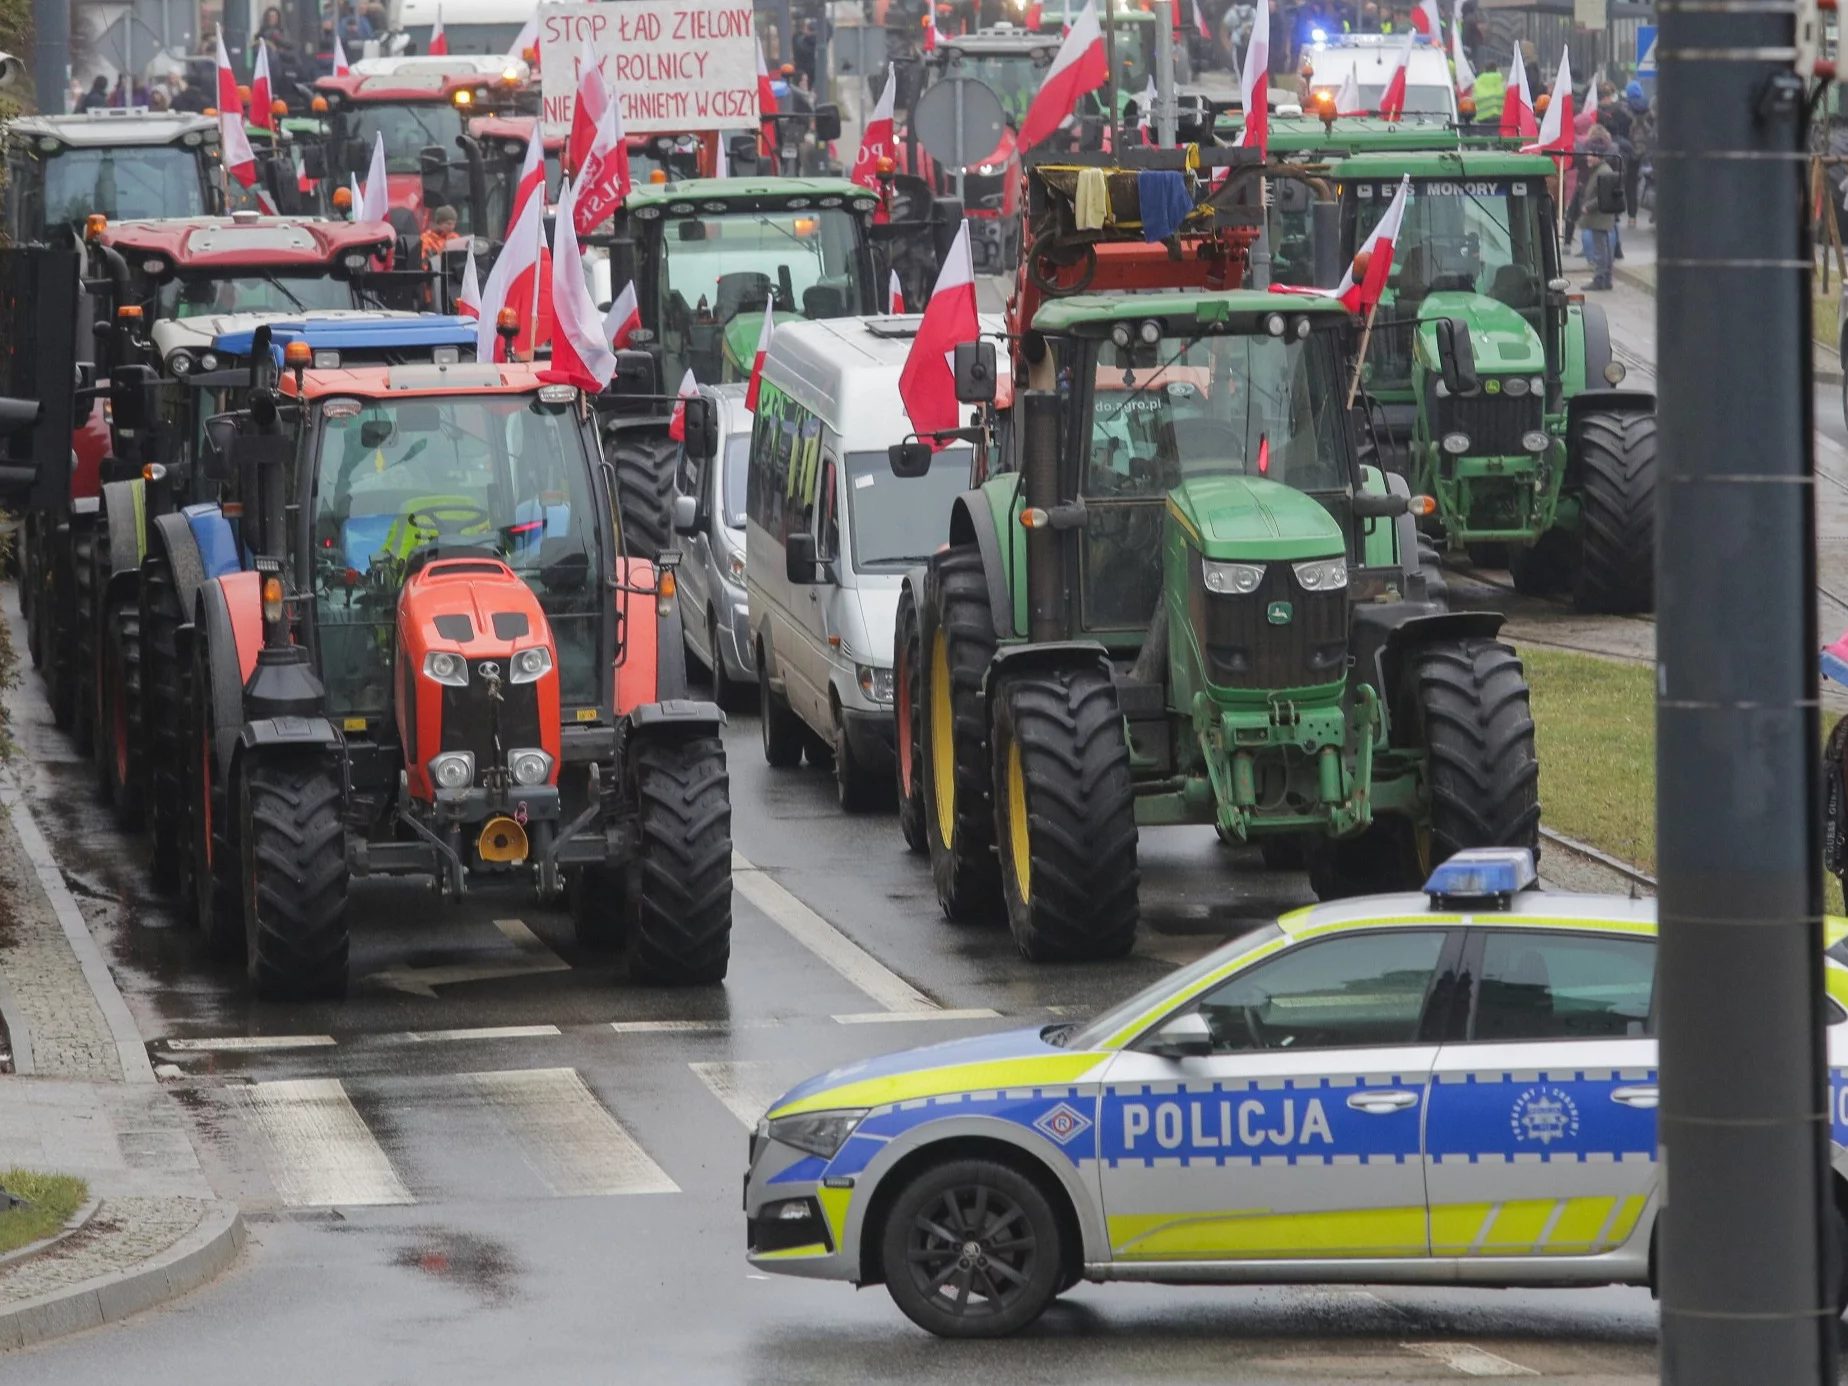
82,1099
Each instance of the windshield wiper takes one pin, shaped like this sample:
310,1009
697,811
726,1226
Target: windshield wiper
272,279
1154,375
813,249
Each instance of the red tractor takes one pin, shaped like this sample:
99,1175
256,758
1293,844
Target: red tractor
434,661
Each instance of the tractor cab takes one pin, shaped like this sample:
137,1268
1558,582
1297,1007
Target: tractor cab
63,169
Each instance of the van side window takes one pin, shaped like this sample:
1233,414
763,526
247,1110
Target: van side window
764,492
805,470
788,467
828,527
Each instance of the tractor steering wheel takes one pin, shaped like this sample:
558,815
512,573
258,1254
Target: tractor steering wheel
450,519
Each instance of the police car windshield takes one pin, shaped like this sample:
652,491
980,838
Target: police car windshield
1099,1029
123,184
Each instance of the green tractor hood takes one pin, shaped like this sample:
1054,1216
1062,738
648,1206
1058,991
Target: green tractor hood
1251,518
1504,342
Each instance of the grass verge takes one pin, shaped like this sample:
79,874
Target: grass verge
54,1198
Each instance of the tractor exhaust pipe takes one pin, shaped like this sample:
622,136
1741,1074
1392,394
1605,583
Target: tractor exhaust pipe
1040,482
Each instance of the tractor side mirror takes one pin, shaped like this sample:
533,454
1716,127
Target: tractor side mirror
220,429
1377,505
743,150
702,428
686,515
128,397
975,372
635,374
1185,1037
433,165
827,123
800,565
314,161
1456,358
909,460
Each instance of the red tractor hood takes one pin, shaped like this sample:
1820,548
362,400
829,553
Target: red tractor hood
272,242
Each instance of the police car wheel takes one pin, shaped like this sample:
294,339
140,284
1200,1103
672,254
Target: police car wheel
972,1249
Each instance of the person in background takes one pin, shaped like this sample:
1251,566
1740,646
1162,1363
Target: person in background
188,97
1491,92
1613,114
354,30
158,100
442,227
97,97
1642,141
271,30
1600,195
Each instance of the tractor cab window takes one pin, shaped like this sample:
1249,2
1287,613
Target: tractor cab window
724,266
500,474
123,184
252,293
409,129
1014,77
1196,407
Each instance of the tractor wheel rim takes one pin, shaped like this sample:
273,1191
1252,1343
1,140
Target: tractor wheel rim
1018,841
942,739
971,1252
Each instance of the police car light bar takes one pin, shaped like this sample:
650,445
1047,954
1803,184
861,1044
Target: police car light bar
1483,873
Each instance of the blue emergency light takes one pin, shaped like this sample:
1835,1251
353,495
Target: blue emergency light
1483,873
429,332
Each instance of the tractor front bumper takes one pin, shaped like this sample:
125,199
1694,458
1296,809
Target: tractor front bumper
474,804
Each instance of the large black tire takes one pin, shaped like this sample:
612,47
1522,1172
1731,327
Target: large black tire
644,464
958,633
1545,570
781,729
59,636
215,875
86,618
119,744
1489,555
165,720
858,788
1000,1214
1437,586
680,895
1616,467
595,897
1065,816
908,757
294,872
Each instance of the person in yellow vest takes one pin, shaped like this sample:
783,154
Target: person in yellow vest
1491,92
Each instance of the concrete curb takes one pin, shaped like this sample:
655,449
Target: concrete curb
16,1032
131,1050
75,1223
1826,362
197,1257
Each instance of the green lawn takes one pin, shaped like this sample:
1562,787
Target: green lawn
54,1198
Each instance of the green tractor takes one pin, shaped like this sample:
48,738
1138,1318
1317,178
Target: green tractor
1495,388
1192,602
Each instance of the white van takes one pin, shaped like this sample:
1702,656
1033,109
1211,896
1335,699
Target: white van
821,632
1430,88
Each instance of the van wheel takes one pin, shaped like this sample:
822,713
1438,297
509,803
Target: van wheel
858,788
782,729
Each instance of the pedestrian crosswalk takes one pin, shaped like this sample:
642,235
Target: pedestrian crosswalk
537,1132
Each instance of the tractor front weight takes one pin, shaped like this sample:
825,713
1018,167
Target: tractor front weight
1324,755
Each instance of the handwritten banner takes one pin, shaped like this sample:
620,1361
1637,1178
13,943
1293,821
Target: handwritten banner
680,65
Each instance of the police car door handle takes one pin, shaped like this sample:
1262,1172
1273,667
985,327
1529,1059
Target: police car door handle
1644,1095
1380,1103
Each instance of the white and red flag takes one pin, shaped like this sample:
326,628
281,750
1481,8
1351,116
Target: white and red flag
1200,21
1035,13
1556,129
303,183
521,277
468,302
766,90
1347,100
233,143
764,334
1373,261
689,387
927,384
532,176
581,354
1392,100
624,317
439,41
1145,110
356,197
878,142
375,200
1255,84
605,178
260,90
1079,67
1518,102
593,94
932,36
342,68
895,296
1463,74
1426,20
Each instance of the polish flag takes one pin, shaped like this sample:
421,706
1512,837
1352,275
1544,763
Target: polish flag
624,317
1392,100
927,384
520,280
581,354
1459,60
1374,261
931,35
1556,129
233,143
1079,67
1518,103
764,335
721,161
532,178
689,387
375,202
260,90
895,296
605,179
1200,21
267,203
468,303
342,68
355,197
1255,84
527,41
1035,13
878,141
439,41
1425,20
766,93
303,183
1347,100
593,94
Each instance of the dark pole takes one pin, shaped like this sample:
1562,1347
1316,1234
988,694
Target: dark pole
1110,81
1743,1122
51,54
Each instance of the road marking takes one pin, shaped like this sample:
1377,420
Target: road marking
533,958
1469,1359
227,1043
318,1151
826,942
747,1089
675,1027
567,1137
480,1032
886,1017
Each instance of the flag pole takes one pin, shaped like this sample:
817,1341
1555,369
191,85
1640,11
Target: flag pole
1360,359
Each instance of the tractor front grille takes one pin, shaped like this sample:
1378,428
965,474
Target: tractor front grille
469,715
1493,423
1245,648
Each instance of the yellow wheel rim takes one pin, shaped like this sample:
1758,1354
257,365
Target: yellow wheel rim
942,739
1017,839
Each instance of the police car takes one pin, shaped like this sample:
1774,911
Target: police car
1453,1087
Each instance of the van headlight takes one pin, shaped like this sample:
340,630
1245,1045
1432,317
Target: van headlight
875,683
529,766
1322,574
452,769
440,666
1231,579
530,665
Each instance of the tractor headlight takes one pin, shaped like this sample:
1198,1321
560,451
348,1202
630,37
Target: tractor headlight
875,683
819,1133
1322,574
1515,386
529,767
1614,372
354,263
440,666
1456,444
452,769
529,666
208,361
1534,440
180,364
327,359
1231,579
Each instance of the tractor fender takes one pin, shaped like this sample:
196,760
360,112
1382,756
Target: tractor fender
638,663
1596,330
1382,634
172,538
675,716
230,615
125,521
287,732
212,533
1057,654
972,521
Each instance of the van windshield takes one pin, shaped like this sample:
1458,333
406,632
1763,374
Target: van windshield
901,521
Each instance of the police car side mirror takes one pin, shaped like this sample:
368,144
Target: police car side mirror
1185,1037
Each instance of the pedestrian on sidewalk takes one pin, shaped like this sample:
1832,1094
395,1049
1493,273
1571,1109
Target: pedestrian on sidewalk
1600,199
